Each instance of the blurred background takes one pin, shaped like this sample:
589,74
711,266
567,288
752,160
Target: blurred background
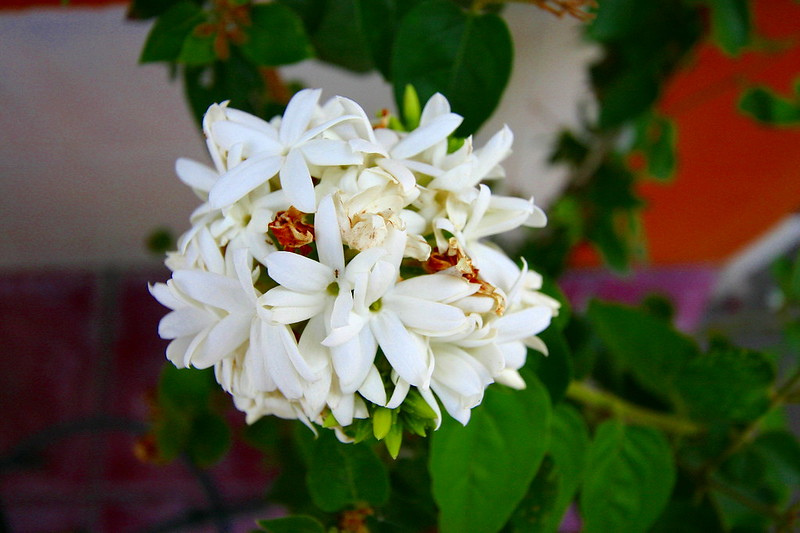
89,140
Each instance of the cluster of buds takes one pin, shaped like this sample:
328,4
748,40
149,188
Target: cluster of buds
338,272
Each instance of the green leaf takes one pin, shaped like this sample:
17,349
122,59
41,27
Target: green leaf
209,439
656,139
555,369
731,26
769,108
262,434
356,34
627,95
197,50
185,389
781,451
292,524
628,479
648,347
726,384
558,479
275,36
165,40
481,471
463,55
145,9
340,474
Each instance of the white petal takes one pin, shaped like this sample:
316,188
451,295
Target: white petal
436,105
405,353
372,388
399,171
426,136
362,125
299,273
183,322
298,114
242,179
424,316
225,337
399,394
212,289
227,134
353,359
196,175
522,324
497,149
437,287
328,236
329,152
296,182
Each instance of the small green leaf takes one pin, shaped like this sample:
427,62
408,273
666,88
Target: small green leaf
655,137
628,479
464,55
481,471
731,26
166,38
781,451
275,36
340,474
726,384
769,108
262,434
185,389
292,524
650,348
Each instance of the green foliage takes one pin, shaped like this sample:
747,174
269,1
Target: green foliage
340,476
628,479
655,138
463,55
481,471
292,524
186,420
275,36
554,370
731,24
767,107
166,38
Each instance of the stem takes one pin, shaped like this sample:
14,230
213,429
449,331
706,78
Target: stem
277,90
745,500
601,400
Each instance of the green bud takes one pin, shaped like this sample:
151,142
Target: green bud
393,440
411,107
417,425
330,421
414,404
381,422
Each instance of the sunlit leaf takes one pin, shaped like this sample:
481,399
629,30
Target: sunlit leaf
275,36
166,37
464,55
481,472
731,24
628,478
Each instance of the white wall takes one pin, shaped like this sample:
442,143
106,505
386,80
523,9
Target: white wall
88,138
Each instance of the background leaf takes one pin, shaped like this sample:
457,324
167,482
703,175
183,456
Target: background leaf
769,108
482,471
166,37
275,36
731,24
628,479
465,56
292,524
340,474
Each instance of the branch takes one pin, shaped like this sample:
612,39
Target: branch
605,401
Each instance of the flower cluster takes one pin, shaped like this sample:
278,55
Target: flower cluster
337,271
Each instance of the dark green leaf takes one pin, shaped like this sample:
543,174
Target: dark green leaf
726,384
555,369
186,389
628,478
648,347
481,471
627,95
309,11
145,9
165,40
292,524
340,474
557,481
209,440
463,55
781,451
343,34
730,24
769,108
275,36
262,434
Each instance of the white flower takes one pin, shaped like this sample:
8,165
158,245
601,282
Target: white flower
287,151
333,269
